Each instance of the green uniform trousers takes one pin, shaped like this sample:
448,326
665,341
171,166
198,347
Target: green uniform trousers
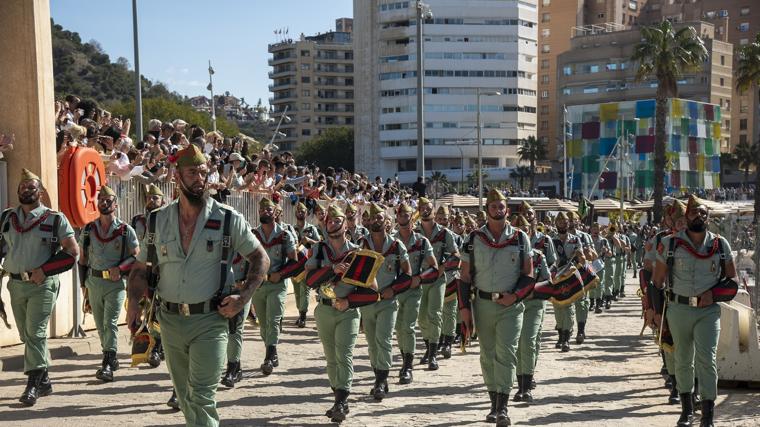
269,303
301,292
449,318
431,308
106,299
498,333
598,291
620,272
32,306
609,277
530,336
695,338
338,331
406,320
670,362
235,341
565,317
195,350
581,309
379,319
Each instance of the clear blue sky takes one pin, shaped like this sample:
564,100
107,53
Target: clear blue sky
178,37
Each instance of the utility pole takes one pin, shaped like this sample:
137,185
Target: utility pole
138,79
423,11
210,87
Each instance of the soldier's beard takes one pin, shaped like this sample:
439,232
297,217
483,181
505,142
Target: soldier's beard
498,217
376,228
562,230
196,198
28,198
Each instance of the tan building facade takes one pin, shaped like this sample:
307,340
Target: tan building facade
313,83
736,22
597,69
556,20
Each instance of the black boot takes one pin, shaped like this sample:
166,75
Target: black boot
432,362
527,395
105,373
340,409
405,374
708,408
581,335
172,402
46,386
532,385
502,415
673,399
566,341
607,302
424,359
560,338
599,306
591,304
687,411
519,394
457,334
270,360
446,349
233,375
696,397
301,322
381,385
491,417
154,359
32,390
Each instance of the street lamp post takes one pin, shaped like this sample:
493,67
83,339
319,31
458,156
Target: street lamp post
277,132
210,87
478,94
423,12
138,80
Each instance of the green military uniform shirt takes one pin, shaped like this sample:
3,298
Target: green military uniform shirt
278,252
442,240
418,249
566,249
545,244
357,233
194,277
324,257
600,244
693,276
308,230
391,266
497,270
29,250
102,255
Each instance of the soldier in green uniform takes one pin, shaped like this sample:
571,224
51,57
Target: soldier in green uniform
635,242
193,245
539,240
569,249
420,251
154,199
582,304
533,318
496,258
269,298
602,248
623,259
320,214
459,228
611,266
694,261
37,244
449,311
431,304
234,372
336,314
379,318
354,231
480,219
308,236
108,248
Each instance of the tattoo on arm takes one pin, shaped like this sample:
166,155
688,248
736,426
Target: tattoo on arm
137,283
259,265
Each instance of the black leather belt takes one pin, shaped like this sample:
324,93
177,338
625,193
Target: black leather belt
690,301
188,309
326,301
491,296
24,277
100,274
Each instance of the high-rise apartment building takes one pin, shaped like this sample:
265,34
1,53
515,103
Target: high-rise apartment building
736,22
556,19
313,82
468,45
597,69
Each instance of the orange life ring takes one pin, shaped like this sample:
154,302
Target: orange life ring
81,173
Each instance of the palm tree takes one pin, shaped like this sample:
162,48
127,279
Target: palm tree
532,150
748,77
440,182
664,54
519,174
746,156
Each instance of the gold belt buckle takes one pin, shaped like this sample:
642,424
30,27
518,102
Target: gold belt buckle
24,276
184,309
495,296
106,274
693,301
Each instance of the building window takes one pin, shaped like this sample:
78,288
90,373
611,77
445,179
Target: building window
743,138
544,64
545,78
545,48
305,93
744,11
600,16
305,67
305,132
544,94
744,27
742,42
544,109
305,79
722,81
544,125
546,32
742,124
306,106
305,53
546,17
567,70
548,2
722,60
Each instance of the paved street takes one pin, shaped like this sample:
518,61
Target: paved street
612,379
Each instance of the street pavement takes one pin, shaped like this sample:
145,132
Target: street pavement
612,379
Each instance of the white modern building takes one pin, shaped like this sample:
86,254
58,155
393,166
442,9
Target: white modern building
468,44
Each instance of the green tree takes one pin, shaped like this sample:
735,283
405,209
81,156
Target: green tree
664,55
519,174
335,147
746,156
748,77
440,183
532,150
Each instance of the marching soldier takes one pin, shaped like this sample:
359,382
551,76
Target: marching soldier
308,236
695,263
497,257
602,248
539,240
321,215
420,251
431,304
449,310
355,231
569,248
611,266
622,260
635,241
450,297
234,372
582,305
533,318
480,219
192,247
154,199
269,298
379,318
336,314
108,248
37,244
